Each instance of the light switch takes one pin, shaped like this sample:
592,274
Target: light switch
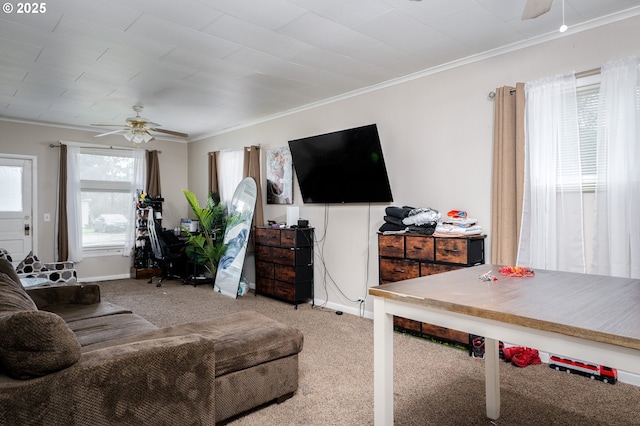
47,217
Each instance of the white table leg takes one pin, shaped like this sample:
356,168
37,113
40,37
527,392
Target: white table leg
382,364
492,377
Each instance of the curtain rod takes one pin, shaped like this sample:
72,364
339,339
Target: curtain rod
581,74
52,145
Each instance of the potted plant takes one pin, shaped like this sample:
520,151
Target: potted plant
205,246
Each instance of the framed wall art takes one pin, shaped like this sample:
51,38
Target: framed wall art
279,176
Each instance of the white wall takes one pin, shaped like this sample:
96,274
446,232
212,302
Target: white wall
436,133
29,139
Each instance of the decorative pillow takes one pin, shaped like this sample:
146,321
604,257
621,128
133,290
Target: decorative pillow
31,264
13,296
5,255
36,343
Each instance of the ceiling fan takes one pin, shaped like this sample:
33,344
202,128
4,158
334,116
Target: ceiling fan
137,129
535,8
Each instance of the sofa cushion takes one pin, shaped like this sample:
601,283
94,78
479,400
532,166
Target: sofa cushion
90,331
243,339
75,312
31,264
13,297
35,343
7,268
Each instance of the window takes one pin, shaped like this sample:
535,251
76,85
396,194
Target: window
105,186
587,97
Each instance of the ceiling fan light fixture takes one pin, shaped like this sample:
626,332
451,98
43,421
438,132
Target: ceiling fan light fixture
137,136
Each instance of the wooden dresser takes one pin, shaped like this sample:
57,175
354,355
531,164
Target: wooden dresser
284,263
405,256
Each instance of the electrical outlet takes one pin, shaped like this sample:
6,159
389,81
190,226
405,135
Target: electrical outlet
361,300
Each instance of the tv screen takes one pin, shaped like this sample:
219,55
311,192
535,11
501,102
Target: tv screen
346,166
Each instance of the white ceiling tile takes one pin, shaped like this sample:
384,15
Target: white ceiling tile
391,58
157,29
328,35
589,9
348,13
11,51
192,14
365,74
434,10
42,22
271,14
414,37
477,28
101,12
255,37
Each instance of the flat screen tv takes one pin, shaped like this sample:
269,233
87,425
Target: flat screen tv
346,166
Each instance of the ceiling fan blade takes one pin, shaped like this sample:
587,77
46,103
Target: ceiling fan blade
110,133
170,132
535,8
108,125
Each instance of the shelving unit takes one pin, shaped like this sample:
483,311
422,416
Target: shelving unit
144,265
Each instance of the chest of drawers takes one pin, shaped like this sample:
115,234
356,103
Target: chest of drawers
284,263
406,256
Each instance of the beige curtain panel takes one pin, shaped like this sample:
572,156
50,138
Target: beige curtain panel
153,187
214,167
508,174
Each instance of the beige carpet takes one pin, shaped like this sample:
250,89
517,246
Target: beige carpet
433,384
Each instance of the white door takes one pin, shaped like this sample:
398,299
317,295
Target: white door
16,225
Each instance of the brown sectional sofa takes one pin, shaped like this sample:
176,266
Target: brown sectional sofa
69,358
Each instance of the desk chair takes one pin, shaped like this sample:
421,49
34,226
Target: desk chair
166,248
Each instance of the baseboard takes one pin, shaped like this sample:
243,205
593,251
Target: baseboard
343,308
104,278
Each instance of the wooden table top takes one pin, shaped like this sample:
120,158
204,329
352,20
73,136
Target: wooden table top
594,307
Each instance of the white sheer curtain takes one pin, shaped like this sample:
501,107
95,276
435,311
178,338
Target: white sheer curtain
74,206
552,222
231,173
616,248
137,185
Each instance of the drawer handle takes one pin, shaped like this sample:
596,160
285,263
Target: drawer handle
399,270
451,250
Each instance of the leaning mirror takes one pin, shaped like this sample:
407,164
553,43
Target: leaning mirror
236,237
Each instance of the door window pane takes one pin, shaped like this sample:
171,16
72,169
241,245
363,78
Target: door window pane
11,178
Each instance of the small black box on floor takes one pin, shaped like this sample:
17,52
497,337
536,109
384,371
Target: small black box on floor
476,347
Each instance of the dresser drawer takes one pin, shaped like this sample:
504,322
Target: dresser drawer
283,256
465,251
419,247
435,268
391,245
398,269
264,269
293,274
264,285
300,237
452,250
263,252
286,291
268,236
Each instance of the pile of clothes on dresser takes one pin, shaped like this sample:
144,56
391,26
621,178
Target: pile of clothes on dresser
428,221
